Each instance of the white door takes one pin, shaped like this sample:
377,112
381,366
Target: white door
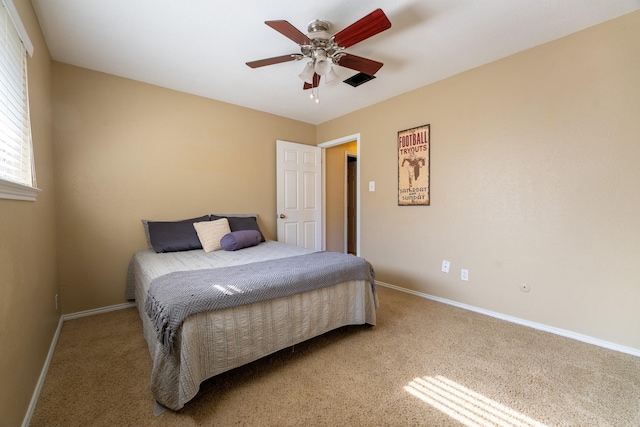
299,194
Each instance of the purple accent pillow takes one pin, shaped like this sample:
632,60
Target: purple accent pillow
238,223
240,239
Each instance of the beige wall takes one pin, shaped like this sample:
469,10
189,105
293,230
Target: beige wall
534,179
335,158
127,150
28,282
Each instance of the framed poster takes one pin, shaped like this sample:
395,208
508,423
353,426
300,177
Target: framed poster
413,166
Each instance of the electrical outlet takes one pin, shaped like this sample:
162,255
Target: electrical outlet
372,186
464,274
445,266
56,301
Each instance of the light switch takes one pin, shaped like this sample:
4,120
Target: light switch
372,186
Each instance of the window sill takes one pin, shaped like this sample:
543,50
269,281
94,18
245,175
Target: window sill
13,191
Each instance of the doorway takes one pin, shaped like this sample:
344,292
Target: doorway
341,194
351,208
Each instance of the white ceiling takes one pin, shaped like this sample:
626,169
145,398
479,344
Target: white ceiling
201,46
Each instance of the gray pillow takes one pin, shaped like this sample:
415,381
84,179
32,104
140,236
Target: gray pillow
240,239
174,236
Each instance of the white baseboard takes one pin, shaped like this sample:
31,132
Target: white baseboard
43,376
98,311
546,328
54,341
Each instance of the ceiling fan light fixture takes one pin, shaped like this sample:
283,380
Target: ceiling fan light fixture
307,73
331,75
322,64
323,67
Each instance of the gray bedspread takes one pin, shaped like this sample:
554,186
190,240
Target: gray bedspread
175,296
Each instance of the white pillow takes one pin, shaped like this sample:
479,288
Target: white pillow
211,232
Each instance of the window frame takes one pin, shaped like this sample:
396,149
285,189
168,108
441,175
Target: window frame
9,189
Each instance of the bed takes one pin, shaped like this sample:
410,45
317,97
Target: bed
208,343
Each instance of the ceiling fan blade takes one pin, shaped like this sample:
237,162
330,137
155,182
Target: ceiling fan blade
358,63
274,60
289,31
316,82
370,25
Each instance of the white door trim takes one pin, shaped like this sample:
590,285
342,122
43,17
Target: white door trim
332,143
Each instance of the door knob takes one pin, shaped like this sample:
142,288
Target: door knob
282,216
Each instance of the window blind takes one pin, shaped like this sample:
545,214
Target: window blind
16,152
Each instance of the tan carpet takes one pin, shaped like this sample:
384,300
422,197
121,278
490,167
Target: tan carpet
424,364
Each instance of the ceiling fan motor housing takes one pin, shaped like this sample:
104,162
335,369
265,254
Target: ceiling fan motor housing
322,43
319,29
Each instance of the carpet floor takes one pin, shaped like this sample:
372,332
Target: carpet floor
423,364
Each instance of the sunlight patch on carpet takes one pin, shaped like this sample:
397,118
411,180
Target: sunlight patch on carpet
468,407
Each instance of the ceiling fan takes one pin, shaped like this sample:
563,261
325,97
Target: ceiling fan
324,49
